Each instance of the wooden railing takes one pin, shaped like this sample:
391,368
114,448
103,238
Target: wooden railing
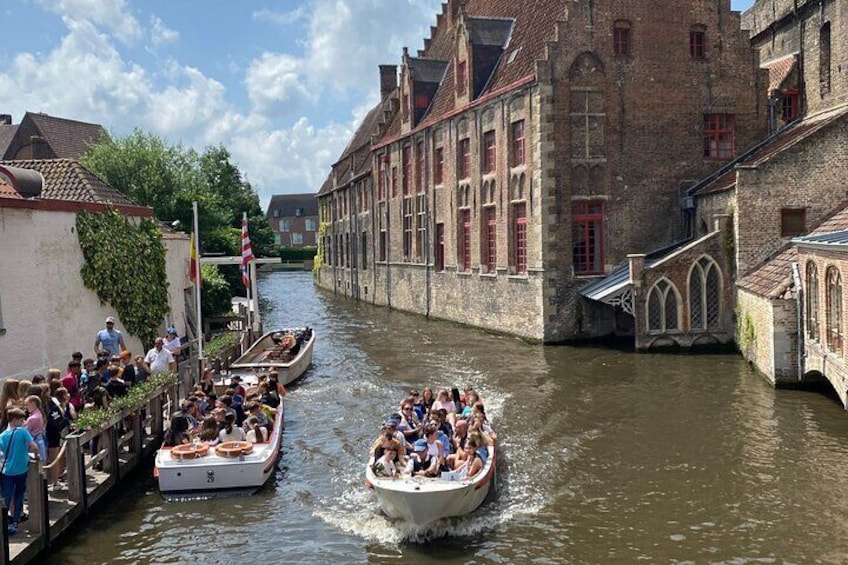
96,460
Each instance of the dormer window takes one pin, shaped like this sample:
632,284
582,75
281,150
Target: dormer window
461,77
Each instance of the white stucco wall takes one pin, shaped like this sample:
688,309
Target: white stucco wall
46,310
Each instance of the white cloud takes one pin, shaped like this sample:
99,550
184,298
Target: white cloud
274,80
280,18
160,34
111,15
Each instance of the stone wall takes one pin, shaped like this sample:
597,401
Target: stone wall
767,335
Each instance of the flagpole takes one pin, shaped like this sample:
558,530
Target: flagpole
197,290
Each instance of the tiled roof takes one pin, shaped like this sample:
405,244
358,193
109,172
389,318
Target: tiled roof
7,133
773,277
288,203
8,191
778,70
67,138
67,179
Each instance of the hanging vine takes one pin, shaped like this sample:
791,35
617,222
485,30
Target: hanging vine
125,266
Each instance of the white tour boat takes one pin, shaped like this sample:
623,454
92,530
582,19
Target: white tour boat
423,500
287,351
228,466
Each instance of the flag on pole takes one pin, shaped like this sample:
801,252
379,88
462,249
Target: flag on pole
246,252
193,265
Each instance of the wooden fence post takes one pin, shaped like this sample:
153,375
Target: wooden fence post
4,535
39,519
109,442
75,465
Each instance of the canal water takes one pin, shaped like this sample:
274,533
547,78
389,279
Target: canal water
607,457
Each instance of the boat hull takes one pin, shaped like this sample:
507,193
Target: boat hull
252,361
422,501
214,473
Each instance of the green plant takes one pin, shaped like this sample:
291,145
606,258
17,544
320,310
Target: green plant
215,293
323,227
135,398
746,331
219,343
125,266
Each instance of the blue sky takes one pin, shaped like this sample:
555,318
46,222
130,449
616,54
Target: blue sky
282,84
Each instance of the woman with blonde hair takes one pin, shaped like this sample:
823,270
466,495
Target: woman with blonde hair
23,392
9,398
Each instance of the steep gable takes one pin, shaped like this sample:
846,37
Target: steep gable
41,136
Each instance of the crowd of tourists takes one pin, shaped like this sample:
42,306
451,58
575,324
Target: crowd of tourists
38,413
240,413
433,434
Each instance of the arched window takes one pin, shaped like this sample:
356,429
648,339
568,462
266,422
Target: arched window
834,310
704,295
662,308
812,302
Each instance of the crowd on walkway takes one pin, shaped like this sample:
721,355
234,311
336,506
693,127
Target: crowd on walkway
433,434
38,413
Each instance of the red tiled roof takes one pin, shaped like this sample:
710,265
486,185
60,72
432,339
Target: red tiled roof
778,70
67,179
8,191
773,277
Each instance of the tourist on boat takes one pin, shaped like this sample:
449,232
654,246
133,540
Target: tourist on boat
15,443
274,383
435,447
142,371
427,399
109,339
409,423
422,464
385,441
207,382
471,399
444,402
201,404
254,410
475,462
35,424
178,432
267,396
116,387
230,432
188,408
235,383
460,438
210,429
159,359
255,432
392,425
386,465
172,342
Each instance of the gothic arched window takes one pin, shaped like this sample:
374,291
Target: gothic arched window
834,310
705,295
812,301
663,308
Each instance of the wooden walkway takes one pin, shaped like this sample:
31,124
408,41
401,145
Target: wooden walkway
122,443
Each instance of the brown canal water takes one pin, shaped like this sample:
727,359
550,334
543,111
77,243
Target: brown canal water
607,457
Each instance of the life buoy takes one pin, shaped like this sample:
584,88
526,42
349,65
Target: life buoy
189,451
234,448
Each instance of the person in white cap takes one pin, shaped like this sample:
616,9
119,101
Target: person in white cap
109,339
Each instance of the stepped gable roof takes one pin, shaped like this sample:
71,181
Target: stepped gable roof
785,139
773,278
67,179
288,204
68,139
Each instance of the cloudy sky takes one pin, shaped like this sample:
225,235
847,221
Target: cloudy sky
282,84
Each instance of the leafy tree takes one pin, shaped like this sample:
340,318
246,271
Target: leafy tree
214,292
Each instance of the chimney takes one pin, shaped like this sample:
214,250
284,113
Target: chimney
5,119
388,80
38,147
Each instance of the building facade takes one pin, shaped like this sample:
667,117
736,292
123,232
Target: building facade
528,149
294,220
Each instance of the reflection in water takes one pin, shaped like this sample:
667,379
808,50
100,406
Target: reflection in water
606,456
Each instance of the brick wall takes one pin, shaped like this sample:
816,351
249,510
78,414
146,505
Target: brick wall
766,335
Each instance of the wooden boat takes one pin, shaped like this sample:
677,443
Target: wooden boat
423,500
273,352
199,468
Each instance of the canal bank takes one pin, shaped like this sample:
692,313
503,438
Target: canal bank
608,456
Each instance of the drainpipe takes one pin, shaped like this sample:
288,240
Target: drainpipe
799,309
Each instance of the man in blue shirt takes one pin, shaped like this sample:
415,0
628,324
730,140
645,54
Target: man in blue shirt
16,443
109,339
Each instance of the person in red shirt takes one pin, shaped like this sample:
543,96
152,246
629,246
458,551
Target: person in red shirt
71,383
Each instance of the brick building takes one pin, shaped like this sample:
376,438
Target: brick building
294,220
528,148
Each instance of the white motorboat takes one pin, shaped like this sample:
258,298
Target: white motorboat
421,500
288,351
199,467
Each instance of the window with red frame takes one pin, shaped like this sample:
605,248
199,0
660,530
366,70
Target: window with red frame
438,166
394,181
517,143
588,237
464,158
718,137
789,101
621,39
419,169
464,246
490,152
698,44
519,238
461,77
490,238
406,161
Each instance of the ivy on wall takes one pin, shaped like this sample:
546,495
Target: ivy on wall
125,266
323,228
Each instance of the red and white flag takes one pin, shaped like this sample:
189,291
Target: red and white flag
246,252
